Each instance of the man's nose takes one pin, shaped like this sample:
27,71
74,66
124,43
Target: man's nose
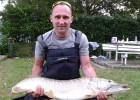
61,21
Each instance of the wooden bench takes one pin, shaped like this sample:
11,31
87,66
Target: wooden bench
123,49
108,48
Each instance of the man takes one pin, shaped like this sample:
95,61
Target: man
63,55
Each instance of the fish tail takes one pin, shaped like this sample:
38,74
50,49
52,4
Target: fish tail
10,92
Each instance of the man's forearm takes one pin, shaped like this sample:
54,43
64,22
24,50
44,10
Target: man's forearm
36,70
88,71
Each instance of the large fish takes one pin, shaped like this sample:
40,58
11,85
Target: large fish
75,89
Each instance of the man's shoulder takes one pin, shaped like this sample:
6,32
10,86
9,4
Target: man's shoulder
44,38
76,32
47,34
79,33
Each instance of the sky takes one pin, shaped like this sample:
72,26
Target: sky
2,4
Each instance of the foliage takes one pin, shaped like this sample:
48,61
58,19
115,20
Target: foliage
25,49
102,28
25,20
107,7
3,45
22,50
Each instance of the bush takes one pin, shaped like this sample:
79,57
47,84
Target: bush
102,28
3,45
24,49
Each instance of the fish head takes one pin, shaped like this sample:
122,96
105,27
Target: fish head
101,84
109,86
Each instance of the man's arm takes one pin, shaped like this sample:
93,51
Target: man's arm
86,66
37,71
90,72
37,67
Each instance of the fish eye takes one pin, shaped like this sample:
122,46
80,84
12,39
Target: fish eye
109,81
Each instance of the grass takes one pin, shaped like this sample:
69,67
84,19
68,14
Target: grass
11,72
14,70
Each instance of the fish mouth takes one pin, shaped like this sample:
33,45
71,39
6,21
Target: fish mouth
117,88
124,86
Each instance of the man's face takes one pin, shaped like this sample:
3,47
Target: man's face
61,18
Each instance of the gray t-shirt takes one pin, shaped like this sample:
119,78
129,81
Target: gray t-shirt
54,42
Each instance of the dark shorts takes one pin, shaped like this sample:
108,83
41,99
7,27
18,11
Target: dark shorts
30,97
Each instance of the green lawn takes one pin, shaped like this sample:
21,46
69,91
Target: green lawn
14,70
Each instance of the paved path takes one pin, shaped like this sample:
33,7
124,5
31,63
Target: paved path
2,57
114,64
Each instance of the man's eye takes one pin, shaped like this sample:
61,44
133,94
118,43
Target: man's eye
65,17
58,17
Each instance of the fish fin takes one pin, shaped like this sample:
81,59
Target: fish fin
10,92
13,90
91,94
49,94
16,90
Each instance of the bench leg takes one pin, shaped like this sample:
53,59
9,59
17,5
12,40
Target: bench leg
125,61
108,54
121,60
124,56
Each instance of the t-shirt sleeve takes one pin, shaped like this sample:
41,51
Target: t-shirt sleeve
39,51
84,45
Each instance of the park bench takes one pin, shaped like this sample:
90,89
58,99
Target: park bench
123,49
108,48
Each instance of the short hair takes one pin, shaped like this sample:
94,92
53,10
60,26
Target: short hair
61,3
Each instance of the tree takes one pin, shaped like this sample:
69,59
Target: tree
110,7
25,19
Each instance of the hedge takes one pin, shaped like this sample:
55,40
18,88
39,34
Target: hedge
97,28
23,50
102,28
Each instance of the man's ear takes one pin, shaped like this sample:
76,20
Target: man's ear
71,19
51,18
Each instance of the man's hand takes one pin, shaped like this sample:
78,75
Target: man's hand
38,92
102,95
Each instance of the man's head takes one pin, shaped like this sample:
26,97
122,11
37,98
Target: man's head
61,17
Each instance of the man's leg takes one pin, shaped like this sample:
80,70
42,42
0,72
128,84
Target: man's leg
30,97
91,99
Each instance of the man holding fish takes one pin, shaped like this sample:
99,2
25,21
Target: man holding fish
64,49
